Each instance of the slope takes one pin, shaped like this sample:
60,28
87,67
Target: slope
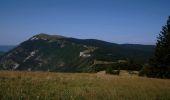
59,53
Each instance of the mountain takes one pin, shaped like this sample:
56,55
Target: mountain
5,48
59,53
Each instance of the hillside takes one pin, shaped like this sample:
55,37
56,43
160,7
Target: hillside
59,53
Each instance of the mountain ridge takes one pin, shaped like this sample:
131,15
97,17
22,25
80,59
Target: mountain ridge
60,53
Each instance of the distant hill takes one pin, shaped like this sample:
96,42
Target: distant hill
1,53
5,48
59,53
139,47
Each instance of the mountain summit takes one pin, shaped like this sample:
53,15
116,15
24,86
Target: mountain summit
59,53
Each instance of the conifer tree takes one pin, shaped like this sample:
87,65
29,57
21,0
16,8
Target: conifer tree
159,65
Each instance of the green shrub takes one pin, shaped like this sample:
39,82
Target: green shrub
151,71
110,70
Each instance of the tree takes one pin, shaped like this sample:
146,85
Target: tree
159,64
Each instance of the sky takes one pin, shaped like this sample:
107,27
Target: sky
117,21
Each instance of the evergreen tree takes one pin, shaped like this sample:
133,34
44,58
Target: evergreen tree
159,65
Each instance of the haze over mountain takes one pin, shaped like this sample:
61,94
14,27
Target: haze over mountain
59,53
1,53
5,48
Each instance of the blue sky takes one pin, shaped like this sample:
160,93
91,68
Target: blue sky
118,21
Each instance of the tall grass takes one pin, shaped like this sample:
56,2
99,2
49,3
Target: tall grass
15,85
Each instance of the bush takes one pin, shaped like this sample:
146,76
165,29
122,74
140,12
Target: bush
110,70
142,72
100,67
151,71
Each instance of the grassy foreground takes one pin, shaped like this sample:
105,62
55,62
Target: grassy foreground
15,85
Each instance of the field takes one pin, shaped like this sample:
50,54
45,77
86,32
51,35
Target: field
16,85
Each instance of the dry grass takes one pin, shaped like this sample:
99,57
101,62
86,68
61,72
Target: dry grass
15,85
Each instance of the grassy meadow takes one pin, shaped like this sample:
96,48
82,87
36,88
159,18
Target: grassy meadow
21,85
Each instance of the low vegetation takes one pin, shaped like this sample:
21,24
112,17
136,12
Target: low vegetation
17,85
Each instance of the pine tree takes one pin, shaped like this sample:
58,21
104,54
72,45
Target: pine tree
160,63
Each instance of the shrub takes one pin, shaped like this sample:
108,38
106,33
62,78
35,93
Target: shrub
150,71
110,70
